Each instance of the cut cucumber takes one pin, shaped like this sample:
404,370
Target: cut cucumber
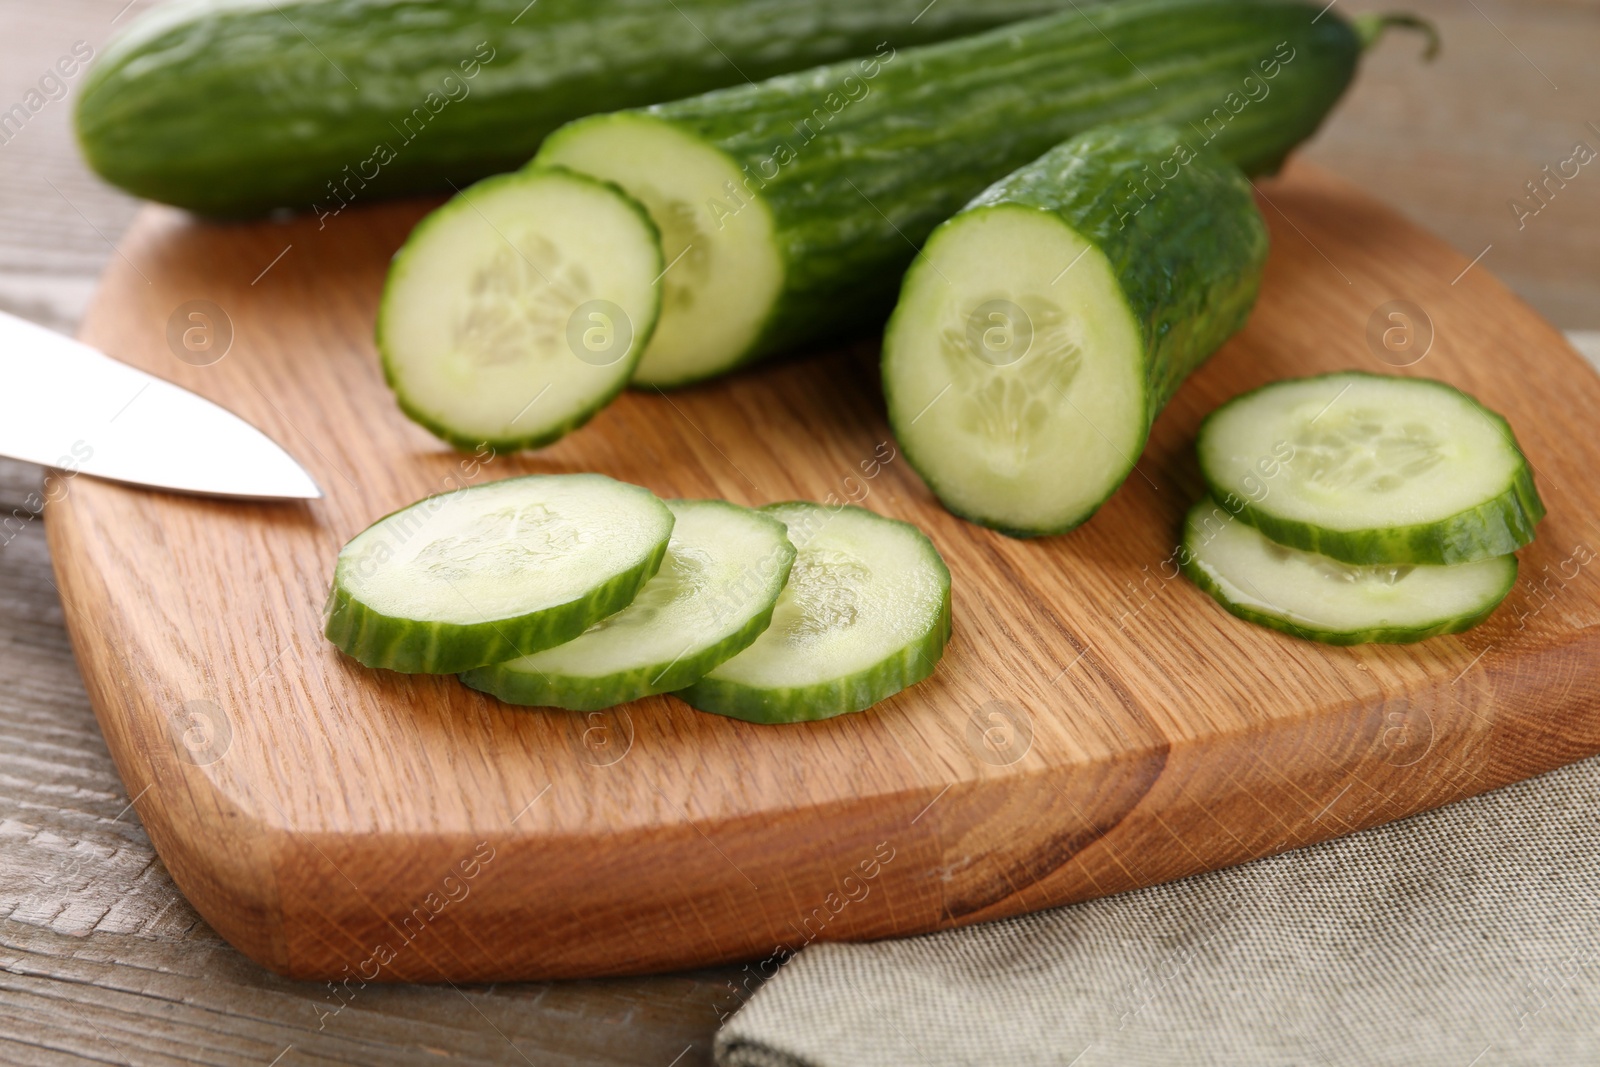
520,308
493,572
713,596
1046,325
1322,599
1372,469
865,614
798,202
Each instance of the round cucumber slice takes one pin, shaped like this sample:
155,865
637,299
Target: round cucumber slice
1322,599
712,597
493,572
520,308
1016,387
722,271
865,614
1366,468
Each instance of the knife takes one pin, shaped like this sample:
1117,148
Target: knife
70,406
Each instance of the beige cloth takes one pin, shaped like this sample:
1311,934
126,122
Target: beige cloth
1467,937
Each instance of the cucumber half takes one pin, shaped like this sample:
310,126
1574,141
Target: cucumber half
1046,325
520,308
806,196
493,572
712,597
1366,468
1312,596
722,269
1021,403
866,613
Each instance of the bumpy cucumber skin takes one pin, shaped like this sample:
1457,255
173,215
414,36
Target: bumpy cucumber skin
574,693
1497,527
937,124
1377,635
1189,260
236,107
374,639
842,696
469,442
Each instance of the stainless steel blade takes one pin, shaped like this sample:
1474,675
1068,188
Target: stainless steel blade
68,405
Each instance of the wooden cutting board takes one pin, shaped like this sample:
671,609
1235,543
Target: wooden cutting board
1097,725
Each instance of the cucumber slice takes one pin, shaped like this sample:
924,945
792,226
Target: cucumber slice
1045,326
713,596
492,572
1322,599
866,613
520,308
1366,468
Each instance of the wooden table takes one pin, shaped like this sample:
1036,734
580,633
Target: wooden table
104,961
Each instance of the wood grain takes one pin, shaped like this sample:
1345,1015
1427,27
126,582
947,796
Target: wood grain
1166,737
1440,143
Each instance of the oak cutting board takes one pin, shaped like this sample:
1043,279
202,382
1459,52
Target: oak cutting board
1096,725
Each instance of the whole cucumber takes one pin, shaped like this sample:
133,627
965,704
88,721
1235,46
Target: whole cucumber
237,107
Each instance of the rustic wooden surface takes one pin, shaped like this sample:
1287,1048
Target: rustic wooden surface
105,962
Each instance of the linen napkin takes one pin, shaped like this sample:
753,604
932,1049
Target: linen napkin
1465,937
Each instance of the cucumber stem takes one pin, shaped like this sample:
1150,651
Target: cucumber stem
1369,27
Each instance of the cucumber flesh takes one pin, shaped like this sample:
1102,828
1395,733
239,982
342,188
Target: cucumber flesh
1045,325
496,571
722,270
712,597
1367,468
866,613
520,308
1312,596
1021,403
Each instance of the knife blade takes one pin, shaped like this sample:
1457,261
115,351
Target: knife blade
71,406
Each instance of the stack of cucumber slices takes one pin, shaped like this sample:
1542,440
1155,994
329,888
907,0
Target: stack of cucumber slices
1353,508
577,591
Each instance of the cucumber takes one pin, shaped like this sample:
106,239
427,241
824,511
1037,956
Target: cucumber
795,204
236,107
493,572
1046,325
865,614
520,308
713,596
1365,468
1312,596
